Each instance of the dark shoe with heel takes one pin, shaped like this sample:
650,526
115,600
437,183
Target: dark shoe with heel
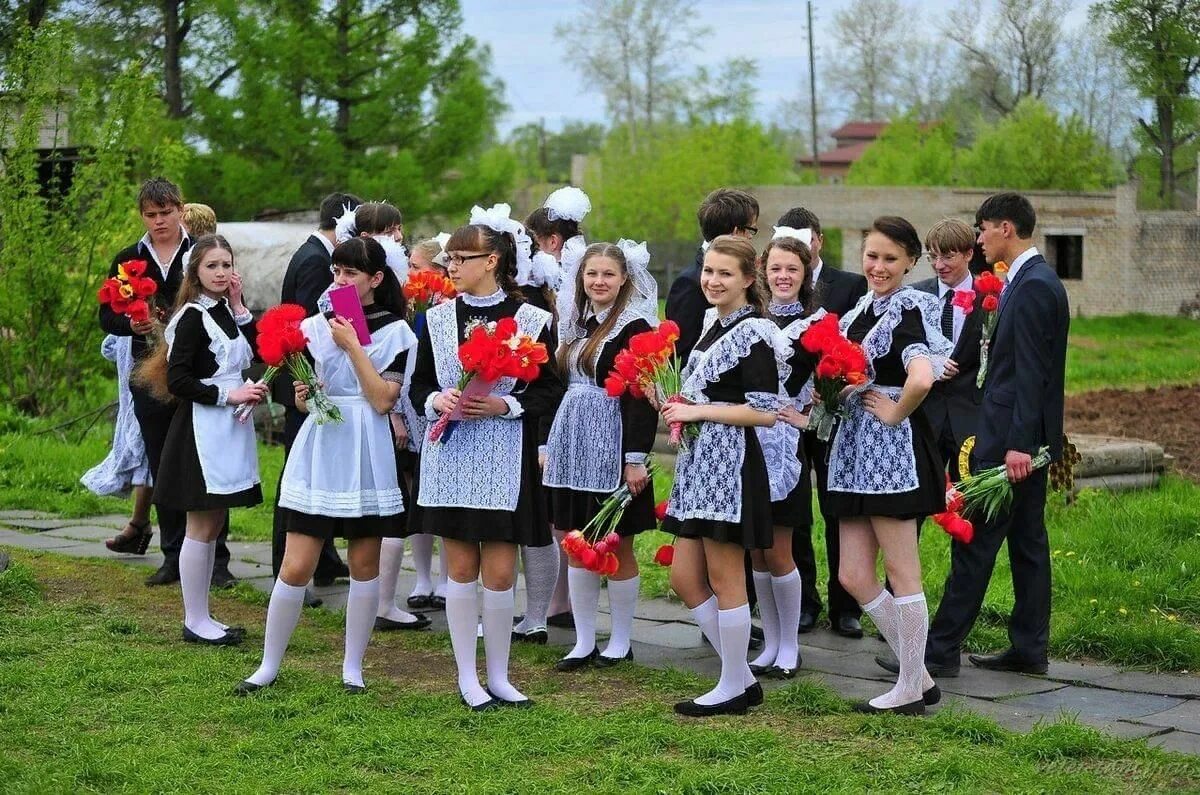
135,544
167,574
537,637
808,622
246,687
848,627
1008,660
754,695
935,669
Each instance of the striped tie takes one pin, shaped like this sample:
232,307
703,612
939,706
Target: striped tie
948,316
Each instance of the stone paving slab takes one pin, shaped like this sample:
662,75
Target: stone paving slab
37,524
1074,672
33,541
1096,703
82,532
1181,742
249,571
1185,716
981,683
5,515
1164,684
848,687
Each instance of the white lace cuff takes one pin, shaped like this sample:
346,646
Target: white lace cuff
515,409
244,318
431,413
763,401
636,458
919,350
543,449
222,396
397,407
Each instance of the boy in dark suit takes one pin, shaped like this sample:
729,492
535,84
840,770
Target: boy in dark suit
836,291
1021,410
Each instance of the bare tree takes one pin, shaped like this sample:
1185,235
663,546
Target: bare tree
872,37
1011,52
1094,87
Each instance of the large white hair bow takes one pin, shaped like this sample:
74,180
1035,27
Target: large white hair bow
498,217
346,227
803,235
569,204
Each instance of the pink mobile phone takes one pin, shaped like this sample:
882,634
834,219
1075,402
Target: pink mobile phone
345,303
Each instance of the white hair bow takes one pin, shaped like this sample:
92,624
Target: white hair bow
442,258
497,217
569,203
803,235
345,228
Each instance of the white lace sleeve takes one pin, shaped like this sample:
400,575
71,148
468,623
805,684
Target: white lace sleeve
763,401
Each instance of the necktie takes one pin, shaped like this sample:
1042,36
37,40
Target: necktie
948,316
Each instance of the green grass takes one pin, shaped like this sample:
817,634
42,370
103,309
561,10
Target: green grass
97,693
1132,351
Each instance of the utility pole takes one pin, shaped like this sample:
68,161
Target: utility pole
812,93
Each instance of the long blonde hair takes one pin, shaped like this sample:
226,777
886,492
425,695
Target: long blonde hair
593,342
151,372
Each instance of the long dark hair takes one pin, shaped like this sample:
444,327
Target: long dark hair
367,255
797,247
484,238
375,218
742,250
539,223
587,356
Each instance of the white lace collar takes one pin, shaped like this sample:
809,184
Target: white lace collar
786,310
484,300
735,316
209,302
880,304
603,314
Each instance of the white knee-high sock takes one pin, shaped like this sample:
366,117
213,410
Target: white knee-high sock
391,558
360,620
735,640
706,616
443,571
912,629
770,619
787,605
422,551
212,562
622,601
498,609
195,574
462,616
886,617
585,597
541,574
282,614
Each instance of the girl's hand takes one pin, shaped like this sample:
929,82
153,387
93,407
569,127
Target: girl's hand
301,391
247,393
883,407
399,431
792,417
682,412
636,478
344,335
478,408
445,402
235,294
143,327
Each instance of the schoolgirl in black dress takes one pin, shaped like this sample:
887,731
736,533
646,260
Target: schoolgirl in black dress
210,460
884,468
477,489
598,442
786,265
720,502
340,477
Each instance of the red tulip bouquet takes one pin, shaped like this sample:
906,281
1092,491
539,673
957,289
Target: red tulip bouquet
128,292
281,344
594,546
664,555
649,367
841,363
951,520
991,286
990,492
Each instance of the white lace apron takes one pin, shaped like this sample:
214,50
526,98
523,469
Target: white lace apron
346,469
226,448
867,456
480,465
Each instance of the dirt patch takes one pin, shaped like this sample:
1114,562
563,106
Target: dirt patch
1169,416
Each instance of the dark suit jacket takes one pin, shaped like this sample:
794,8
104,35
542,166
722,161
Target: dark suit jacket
307,275
164,299
838,291
686,306
1023,394
956,402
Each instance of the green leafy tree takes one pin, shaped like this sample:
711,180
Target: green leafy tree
544,156
908,153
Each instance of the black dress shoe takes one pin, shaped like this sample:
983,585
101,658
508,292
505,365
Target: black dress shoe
808,622
756,632
609,662
755,644
486,706
734,706
167,574
311,599
437,602
561,620
524,703
568,664
421,600
911,708
848,627
228,639
538,637
932,696
754,695
223,578
936,670
759,670
775,672
383,624
246,687
353,689
1007,660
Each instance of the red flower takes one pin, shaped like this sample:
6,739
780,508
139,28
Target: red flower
828,367
660,511
821,335
589,558
614,385
956,526
964,300
988,283
669,330
665,555
990,303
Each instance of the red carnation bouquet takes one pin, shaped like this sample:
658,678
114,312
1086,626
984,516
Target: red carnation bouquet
841,363
489,354
951,520
991,286
649,367
594,546
128,291
281,343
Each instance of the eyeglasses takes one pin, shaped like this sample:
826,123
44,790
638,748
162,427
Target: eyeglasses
458,260
936,258
753,230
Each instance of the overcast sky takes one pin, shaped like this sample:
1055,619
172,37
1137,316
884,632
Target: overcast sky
539,83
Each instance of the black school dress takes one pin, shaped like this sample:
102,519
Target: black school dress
593,436
210,460
875,470
721,490
483,482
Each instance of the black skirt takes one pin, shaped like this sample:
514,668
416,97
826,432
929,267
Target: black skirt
329,527
180,484
928,498
571,509
527,525
755,529
795,510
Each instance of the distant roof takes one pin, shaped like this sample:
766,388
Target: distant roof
863,130
843,155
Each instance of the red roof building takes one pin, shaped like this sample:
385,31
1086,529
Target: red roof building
852,140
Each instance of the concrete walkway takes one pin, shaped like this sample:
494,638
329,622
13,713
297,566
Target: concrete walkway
1164,709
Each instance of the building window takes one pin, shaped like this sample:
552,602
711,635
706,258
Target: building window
1065,253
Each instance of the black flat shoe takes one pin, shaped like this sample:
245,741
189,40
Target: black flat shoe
775,672
437,602
418,601
561,620
754,695
1007,660
609,662
848,627
246,687
932,696
353,690
522,704
486,706
759,670
223,578
808,622
230,638
911,708
569,664
734,706
383,624
166,575
311,599
538,637
136,544
756,632
936,670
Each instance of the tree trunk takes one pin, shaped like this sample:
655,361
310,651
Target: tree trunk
341,124
172,47
1165,111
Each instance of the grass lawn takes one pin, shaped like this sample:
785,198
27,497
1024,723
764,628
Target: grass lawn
97,693
1131,351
